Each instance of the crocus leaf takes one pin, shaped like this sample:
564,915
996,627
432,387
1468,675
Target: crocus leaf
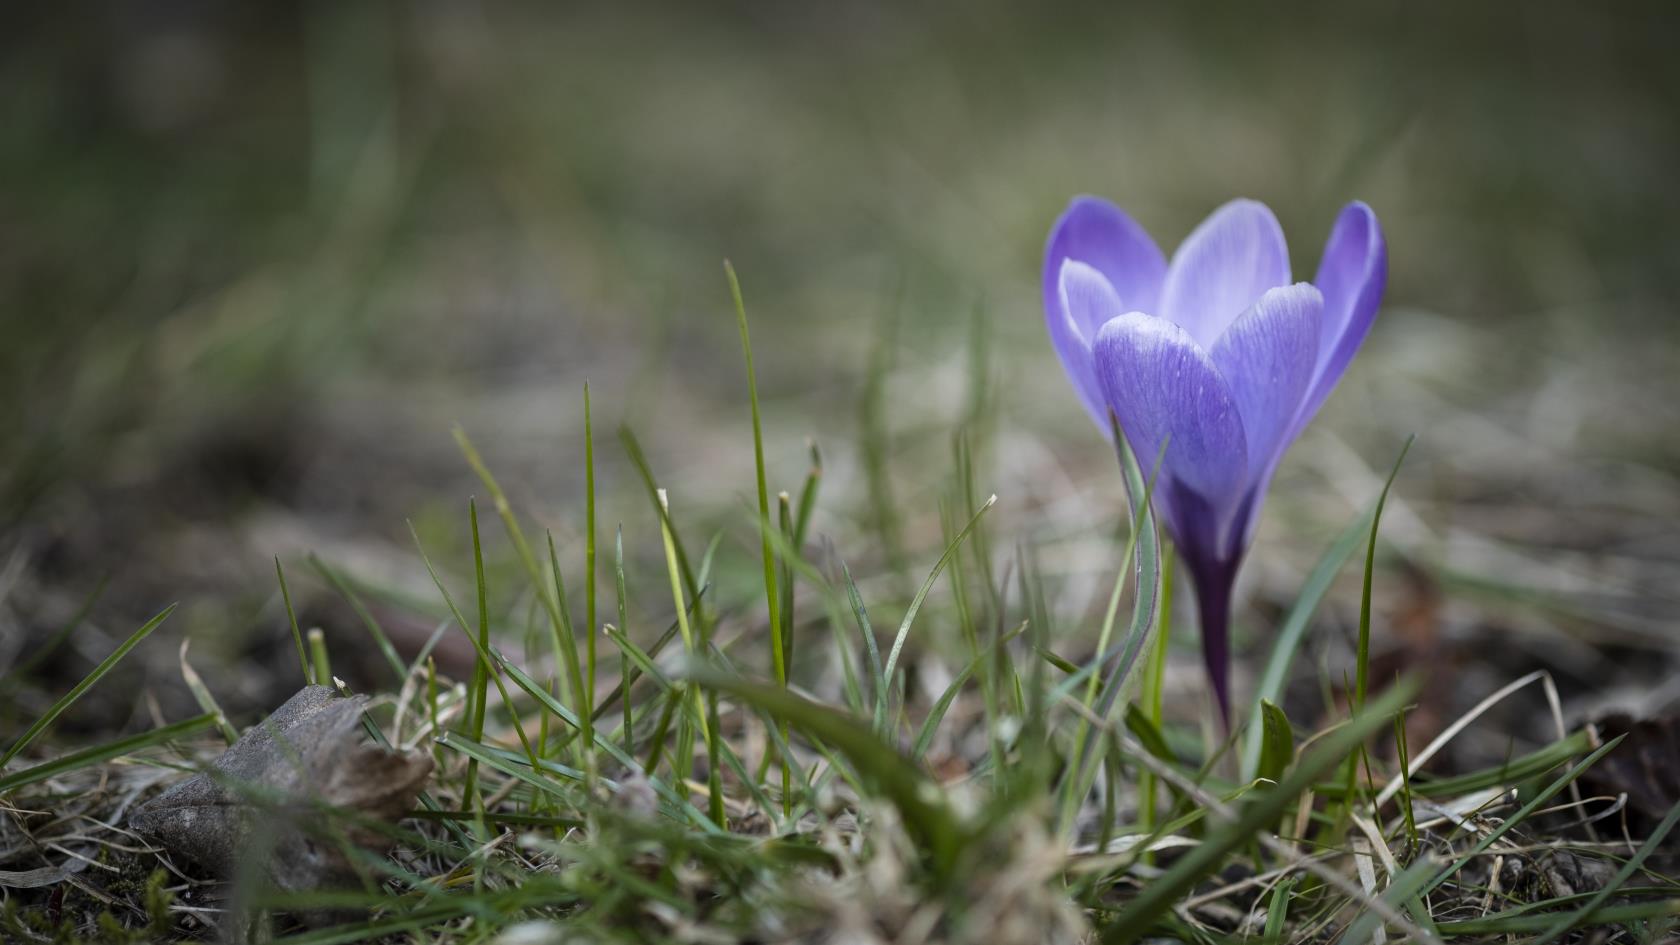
1143,728
1266,805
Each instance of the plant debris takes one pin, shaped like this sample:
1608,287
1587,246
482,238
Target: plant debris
268,793
1646,769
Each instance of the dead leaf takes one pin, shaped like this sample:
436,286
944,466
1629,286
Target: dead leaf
1645,766
267,789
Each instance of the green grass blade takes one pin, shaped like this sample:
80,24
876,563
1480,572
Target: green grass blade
691,644
592,624
1518,769
1277,749
553,705
936,715
851,685
648,656
633,449
625,679
202,695
1514,921
559,623
771,597
1362,663
482,653
642,660
569,647
1154,684
1294,628
888,671
871,647
1143,549
1277,910
1404,764
292,621
558,824
102,753
479,692
784,631
1146,560
483,755
318,656
381,928
87,682
808,496
785,578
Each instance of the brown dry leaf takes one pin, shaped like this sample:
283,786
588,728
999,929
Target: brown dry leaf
267,789
1645,766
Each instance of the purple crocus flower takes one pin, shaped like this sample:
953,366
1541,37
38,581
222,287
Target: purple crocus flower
1219,354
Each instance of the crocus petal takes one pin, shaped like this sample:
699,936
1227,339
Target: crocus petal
1352,276
1088,299
1164,388
1099,234
1222,268
1267,357
1085,302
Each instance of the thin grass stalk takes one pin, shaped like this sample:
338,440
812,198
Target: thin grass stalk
64,702
322,661
1363,665
1154,689
292,621
692,646
789,535
586,749
592,626
478,693
771,598
624,676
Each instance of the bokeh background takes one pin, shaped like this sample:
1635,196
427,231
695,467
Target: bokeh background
257,259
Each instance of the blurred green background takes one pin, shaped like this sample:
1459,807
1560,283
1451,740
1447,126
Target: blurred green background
255,259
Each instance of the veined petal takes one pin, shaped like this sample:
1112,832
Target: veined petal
1164,388
1088,299
1085,301
1101,235
1267,357
1352,276
1222,268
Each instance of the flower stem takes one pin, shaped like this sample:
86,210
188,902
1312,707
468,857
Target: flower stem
1213,610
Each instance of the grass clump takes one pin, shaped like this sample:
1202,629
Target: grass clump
756,763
